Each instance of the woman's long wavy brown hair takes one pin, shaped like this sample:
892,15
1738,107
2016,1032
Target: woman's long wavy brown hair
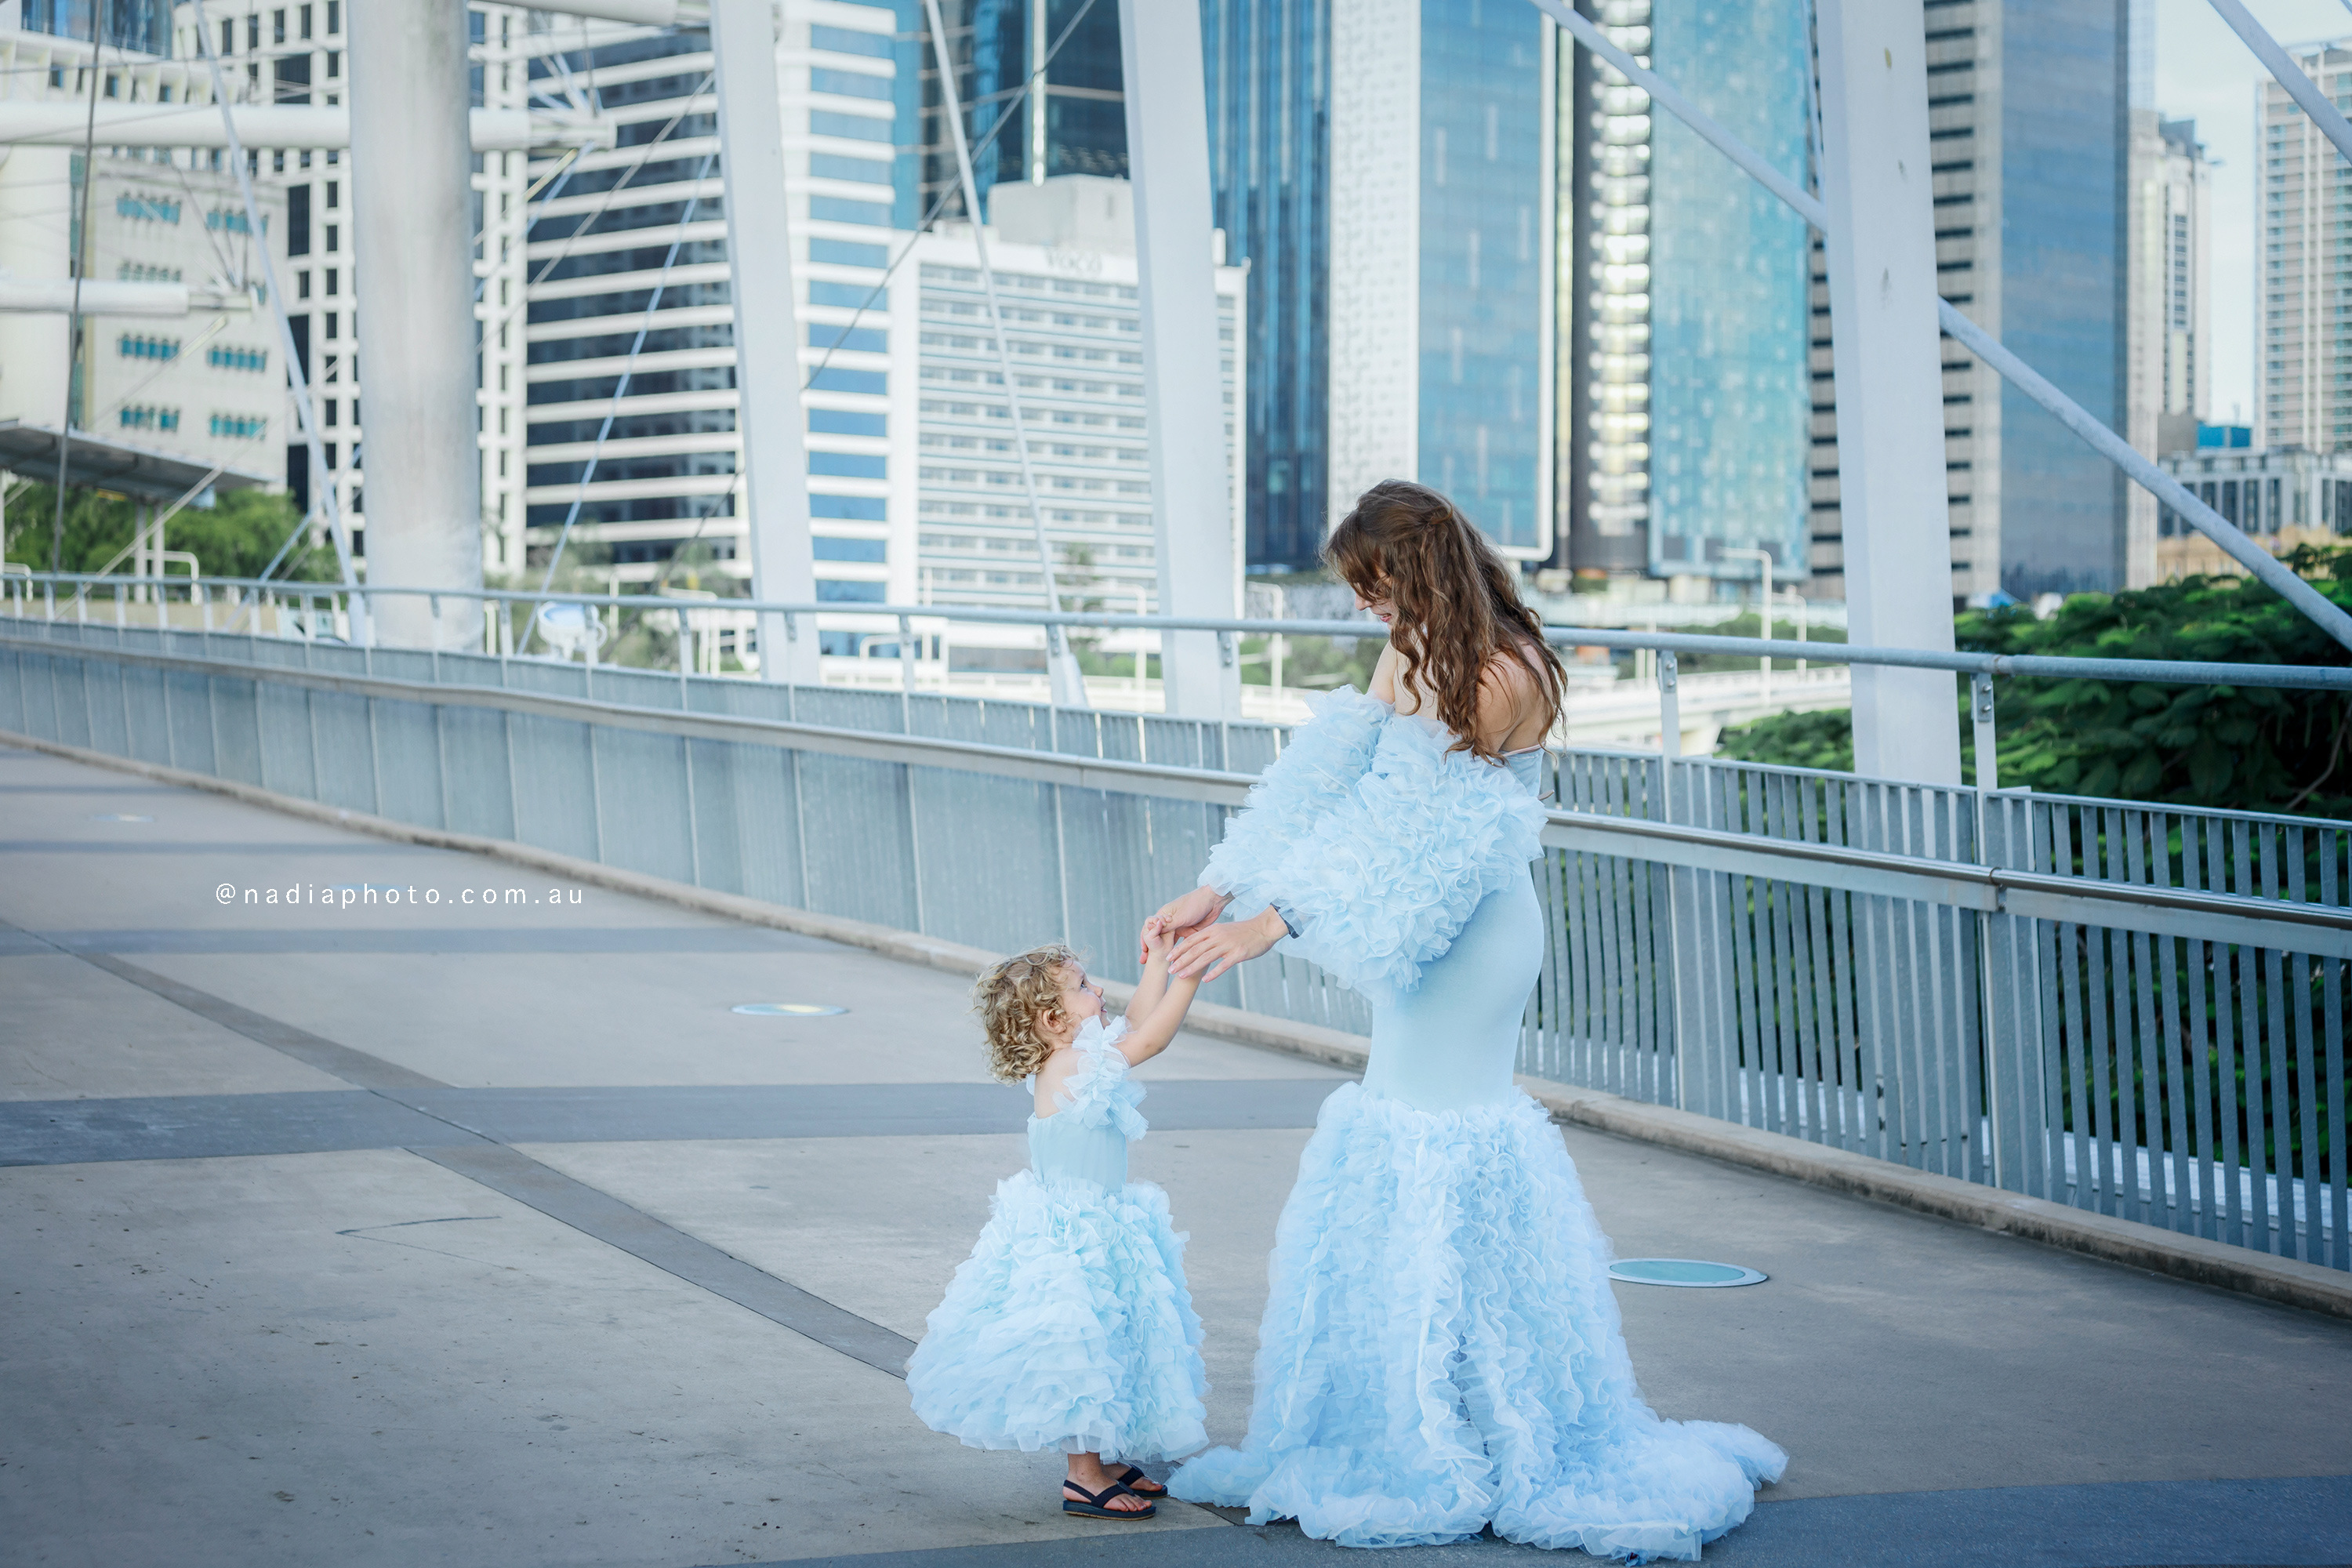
1457,602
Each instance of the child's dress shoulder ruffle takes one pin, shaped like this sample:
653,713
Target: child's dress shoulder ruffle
1101,1093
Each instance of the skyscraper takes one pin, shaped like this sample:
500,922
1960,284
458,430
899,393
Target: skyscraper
2304,282
2028,133
1683,286
1269,72
1441,216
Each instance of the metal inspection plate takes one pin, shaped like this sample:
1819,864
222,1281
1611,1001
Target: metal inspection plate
1686,1272
789,1009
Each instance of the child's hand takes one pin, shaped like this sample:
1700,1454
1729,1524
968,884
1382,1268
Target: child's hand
1157,939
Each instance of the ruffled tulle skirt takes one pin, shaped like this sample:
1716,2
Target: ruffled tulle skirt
1069,1327
1441,1350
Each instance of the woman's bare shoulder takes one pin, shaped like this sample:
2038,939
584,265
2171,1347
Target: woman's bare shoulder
1384,675
1511,696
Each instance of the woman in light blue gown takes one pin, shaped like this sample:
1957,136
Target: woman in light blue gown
1441,1350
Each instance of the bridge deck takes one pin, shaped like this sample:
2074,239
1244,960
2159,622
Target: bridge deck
396,1233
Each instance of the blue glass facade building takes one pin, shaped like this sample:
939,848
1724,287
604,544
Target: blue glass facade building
2064,145
1730,398
1269,65
1484,214
145,26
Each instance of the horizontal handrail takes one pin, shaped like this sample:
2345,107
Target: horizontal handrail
2319,929
2182,672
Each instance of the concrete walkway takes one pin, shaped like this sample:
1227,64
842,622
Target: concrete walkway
453,1232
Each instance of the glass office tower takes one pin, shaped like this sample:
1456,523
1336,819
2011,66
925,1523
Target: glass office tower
1076,125
1729,396
1684,287
1268,68
1486,212
1439,336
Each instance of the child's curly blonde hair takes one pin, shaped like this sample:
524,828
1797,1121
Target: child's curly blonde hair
1012,999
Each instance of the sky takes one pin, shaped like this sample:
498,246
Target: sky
2204,72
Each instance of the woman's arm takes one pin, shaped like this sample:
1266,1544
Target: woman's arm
1210,952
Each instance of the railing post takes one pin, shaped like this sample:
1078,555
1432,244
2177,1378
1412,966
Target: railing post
1988,769
906,674
1670,708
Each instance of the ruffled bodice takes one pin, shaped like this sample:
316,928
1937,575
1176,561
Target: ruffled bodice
1087,1137
1378,839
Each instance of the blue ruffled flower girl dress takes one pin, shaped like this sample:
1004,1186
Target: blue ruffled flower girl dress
1069,1327
1440,1349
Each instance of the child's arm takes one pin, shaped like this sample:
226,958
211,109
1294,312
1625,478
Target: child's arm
1158,1007
1158,945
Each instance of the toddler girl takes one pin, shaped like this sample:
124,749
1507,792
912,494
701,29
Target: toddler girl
1069,1326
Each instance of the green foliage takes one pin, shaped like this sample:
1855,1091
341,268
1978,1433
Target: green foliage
1818,740
2241,747
2252,748
234,537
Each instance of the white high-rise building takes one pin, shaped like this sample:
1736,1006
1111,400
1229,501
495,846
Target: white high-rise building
1064,254
2303,284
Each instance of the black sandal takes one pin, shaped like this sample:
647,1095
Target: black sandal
1094,1506
1135,1481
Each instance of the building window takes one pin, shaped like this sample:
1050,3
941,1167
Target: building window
139,345
334,236
334,18
305,21
331,332
301,285
334,278
253,31
334,194
335,64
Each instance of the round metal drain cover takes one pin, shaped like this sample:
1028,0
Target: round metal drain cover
790,1009
1686,1272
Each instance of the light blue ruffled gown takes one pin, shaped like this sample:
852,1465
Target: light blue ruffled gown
1440,1349
1069,1327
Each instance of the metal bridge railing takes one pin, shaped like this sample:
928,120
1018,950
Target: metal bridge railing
2137,1010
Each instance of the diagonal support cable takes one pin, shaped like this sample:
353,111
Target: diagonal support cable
2290,75
2265,567
1068,687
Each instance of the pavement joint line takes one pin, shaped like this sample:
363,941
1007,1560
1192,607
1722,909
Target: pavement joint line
2284,1281
588,1210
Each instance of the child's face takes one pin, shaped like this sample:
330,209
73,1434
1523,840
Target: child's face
1082,998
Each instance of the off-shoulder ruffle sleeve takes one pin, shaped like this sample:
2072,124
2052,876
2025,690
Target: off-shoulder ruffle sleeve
1384,879
1099,1092
1316,773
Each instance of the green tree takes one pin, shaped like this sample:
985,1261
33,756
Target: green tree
2248,747
235,537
